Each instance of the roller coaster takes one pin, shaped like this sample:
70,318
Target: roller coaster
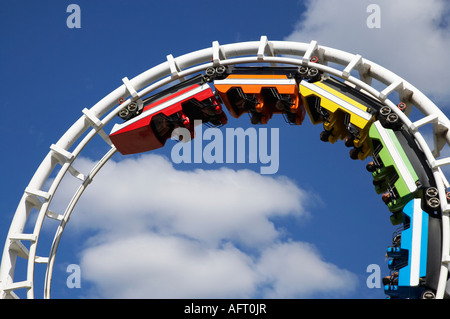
263,78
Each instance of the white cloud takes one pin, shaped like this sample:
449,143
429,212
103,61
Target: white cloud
295,269
153,266
167,233
413,40
211,205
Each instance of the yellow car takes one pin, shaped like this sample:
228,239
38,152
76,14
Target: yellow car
345,112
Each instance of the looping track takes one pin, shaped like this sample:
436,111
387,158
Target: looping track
350,67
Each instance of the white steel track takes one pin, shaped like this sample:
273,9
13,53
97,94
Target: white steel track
350,67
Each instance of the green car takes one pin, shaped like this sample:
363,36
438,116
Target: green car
392,171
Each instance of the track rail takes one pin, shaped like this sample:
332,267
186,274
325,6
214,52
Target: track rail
350,67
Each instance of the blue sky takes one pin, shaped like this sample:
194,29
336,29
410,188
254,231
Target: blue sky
310,231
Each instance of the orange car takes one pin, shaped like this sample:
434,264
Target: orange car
262,91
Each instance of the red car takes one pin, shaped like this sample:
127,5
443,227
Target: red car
178,106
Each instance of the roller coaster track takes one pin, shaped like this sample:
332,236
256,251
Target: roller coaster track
352,68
